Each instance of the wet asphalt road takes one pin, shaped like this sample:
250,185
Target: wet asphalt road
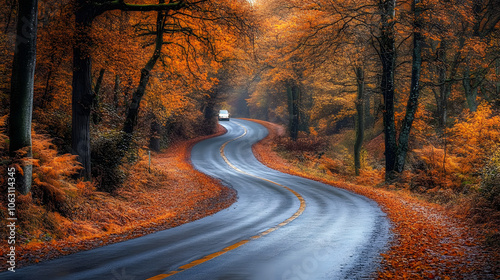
281,227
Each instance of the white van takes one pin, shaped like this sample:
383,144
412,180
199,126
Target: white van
223,115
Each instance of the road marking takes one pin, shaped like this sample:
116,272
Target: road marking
301,209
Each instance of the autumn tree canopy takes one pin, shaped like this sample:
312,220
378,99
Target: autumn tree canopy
140,73
425,64
96,60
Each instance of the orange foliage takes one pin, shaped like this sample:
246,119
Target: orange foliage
476,138
434,169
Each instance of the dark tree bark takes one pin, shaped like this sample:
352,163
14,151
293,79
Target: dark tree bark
445,80
96,116
293,93
154,140
395,152
21,97
209,112
388,59
242,105
98,83
46,98
497,71
487,16
470,88
369,117
83,96
116,92
360,119
412,106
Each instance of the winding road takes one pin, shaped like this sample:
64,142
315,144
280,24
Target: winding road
281,227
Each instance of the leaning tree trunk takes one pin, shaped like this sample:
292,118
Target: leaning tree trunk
360,121
388,59
21,97
83,96
133,110
412,106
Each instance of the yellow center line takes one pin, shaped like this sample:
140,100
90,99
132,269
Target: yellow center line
194,263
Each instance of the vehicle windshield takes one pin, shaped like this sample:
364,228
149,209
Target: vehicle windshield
223,112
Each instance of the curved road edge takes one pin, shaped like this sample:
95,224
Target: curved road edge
363,263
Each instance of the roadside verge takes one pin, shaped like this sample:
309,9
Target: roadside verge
170,194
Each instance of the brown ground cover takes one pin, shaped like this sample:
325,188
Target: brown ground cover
173,193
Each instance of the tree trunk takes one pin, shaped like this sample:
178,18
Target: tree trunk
470,89
154,140
209,113
96,116
487,16
46,98
360,126
442,96
304,106
497,72
445,80
293,109
116,92
22,82
126,99
133,110
412,106
83,96
388,59
369,117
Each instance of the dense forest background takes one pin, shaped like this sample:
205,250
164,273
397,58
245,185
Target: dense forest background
402,94
113,79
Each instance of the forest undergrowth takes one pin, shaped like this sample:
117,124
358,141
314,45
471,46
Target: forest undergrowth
79,217
431,240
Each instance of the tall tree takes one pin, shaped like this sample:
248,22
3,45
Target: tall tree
412,105
397,148
82,96
387,43
293,95
360,117
446,74
21,98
